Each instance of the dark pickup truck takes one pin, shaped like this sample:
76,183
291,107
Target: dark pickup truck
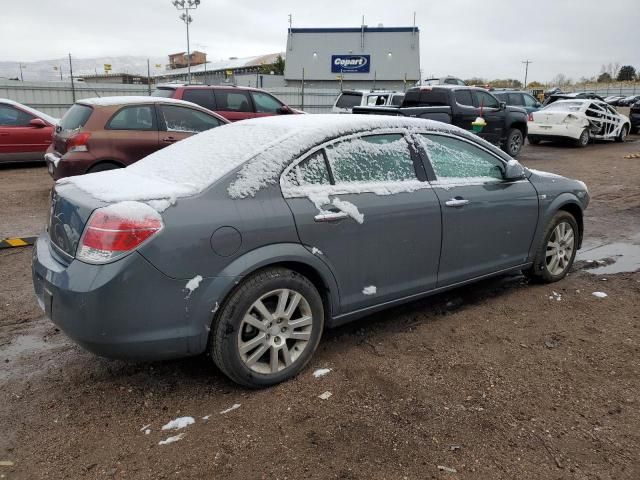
459,105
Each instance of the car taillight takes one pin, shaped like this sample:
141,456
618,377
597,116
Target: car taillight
530,117
117,230
78,143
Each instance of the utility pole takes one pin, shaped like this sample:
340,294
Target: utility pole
73,88
21,77
526,71
187,5
148,77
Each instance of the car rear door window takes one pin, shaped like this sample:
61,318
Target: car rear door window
397,100
163,92
233,101
515,99
14,117
426,98
265,103
371,158
184,119
349,100
377,100
135,117
529,101
463,97
200,96
311,171
485,100
457,160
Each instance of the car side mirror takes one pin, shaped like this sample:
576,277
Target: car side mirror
503,105
514,171
537,104
284,110
37,123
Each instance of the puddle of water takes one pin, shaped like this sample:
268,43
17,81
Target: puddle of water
624,257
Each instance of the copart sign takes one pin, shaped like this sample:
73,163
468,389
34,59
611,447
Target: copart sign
350,63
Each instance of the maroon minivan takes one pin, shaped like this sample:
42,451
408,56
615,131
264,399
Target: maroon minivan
99,134
233,103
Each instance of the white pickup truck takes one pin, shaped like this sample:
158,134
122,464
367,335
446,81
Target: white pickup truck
366,98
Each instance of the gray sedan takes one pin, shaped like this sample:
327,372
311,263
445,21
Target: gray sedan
246,241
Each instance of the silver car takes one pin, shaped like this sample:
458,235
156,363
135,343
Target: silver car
246,241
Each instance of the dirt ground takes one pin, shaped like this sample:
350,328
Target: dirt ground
500,380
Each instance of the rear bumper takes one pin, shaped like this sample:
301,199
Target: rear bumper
68,165
554,131
127,309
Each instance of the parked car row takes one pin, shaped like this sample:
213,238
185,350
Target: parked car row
25,133
622,101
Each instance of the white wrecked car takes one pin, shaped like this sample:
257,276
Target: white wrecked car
579,121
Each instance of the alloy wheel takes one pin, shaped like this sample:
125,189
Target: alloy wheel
515,144
275,331
560,248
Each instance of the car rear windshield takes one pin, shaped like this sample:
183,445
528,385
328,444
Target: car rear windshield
563,106
349,100
75,117
426,98
163,92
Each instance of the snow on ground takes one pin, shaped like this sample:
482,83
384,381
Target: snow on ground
325,395
235,406
193,284
259,148
179,423
370,290
169,440
599,294
321,372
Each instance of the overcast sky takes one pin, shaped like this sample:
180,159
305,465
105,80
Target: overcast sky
464,38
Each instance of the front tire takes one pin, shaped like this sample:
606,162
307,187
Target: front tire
583,139
623,134
514,142
268,328
554,257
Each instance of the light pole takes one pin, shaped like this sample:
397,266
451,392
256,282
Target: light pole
187,5
526,71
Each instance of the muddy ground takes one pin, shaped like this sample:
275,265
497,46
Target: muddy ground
500,380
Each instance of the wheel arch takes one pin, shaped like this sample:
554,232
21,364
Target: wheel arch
576,211
118,163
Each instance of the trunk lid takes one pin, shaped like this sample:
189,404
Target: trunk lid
550,118
70,210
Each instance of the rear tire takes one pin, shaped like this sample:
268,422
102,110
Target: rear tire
623,134
102,167
533,140
514,142
555,255
268,328
634,130
583,140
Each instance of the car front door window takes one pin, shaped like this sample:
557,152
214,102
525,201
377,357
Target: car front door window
485,100
457,161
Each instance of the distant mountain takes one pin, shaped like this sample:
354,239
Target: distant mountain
49,70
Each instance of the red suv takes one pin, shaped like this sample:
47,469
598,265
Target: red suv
233,103
99,134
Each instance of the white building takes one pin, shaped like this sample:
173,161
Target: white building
362,57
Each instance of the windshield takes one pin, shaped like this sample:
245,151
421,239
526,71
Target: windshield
163,92
564,107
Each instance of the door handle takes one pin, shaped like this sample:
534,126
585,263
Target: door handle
169,139
330,216
456,202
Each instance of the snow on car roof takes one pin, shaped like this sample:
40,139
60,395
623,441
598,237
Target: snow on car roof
129,100
259,148
33,111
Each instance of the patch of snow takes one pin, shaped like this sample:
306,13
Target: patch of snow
542,173
206,417
179,423
599,294
325,395
348,208
172,439
131,100
321,372
193,284
147,431
442,468
145,427
216,307
134,211
316,251
370,290
235,406
322,192
555,296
